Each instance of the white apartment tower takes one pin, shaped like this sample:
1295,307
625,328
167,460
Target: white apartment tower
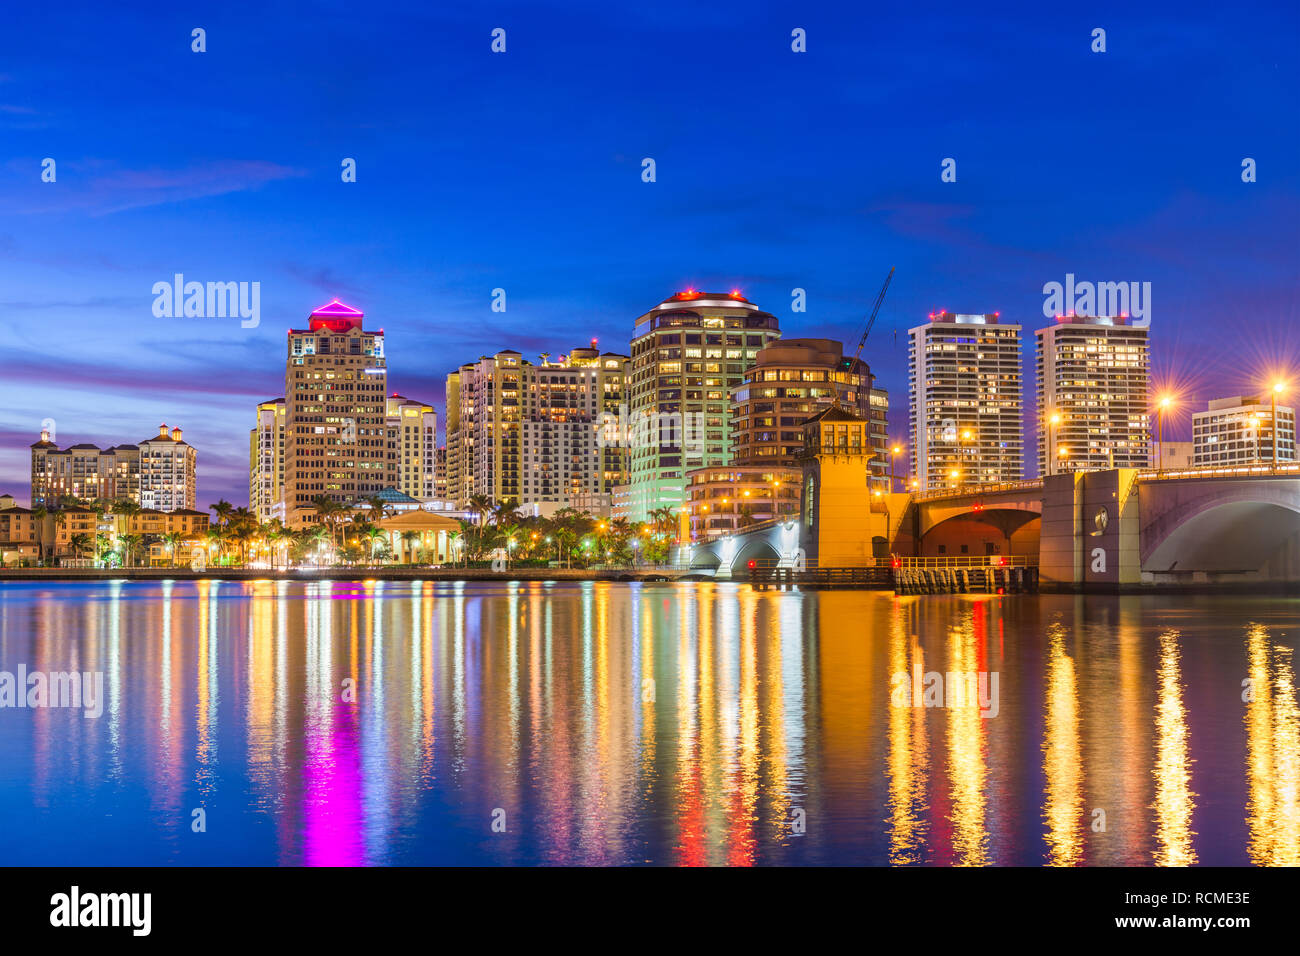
1094,408
966,401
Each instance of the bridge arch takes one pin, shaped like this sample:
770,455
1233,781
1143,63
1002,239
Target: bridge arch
756,549
1240,532
983,530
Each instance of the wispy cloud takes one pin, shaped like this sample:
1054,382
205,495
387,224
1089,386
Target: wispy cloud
94,188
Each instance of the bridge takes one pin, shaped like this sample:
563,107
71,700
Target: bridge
1106,529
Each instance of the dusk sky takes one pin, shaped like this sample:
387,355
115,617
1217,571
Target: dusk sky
775,170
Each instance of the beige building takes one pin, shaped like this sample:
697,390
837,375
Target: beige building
160,472
966,401
413,446
335,428
266,462
1239,431
688,353
536,433
167,472
1093,395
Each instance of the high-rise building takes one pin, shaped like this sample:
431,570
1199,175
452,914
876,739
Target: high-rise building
541,433
266,462
335,426
167,476
1239,431
440,474
790,381
159,473
413,446
1093,394
966,401
688,353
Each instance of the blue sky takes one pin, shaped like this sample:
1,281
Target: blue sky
775,170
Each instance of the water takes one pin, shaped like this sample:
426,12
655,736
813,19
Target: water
665,724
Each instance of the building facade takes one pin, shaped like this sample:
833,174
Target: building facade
266,462
1094,407
167,472
688,353
160,472
544,433
413,446
966,401
790,381
335,427
1239,431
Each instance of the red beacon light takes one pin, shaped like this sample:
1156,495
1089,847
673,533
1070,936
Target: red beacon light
752,564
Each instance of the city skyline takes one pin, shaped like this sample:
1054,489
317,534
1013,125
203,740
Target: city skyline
241,183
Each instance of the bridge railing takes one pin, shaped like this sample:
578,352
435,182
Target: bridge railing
1254,470
1030,484
966,561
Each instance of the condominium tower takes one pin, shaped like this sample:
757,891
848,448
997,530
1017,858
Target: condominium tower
790,381
335,429
966,401
543,434
266,462
1093,394
413,446
688,353
158,473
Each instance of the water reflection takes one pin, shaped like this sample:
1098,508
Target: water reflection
418,722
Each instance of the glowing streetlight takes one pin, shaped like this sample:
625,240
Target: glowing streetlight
1278,388
893,457
1053,420
1166,402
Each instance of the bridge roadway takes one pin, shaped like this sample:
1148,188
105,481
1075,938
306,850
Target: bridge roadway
1120,527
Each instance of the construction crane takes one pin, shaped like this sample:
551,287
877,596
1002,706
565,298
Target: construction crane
875,309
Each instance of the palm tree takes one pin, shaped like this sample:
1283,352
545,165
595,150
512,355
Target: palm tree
373,536
331,513
223,508
274,532
131,545
409,540
80,542
379,509
172,539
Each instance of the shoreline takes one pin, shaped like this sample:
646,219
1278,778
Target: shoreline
561,575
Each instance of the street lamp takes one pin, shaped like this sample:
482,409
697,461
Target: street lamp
1254,433
1053,420
954,475
893,456
1278,389
1161,409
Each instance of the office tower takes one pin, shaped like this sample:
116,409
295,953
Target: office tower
266,462
167,475
790,381
541,434
335,430
159,473
1093,394
688,353
413,446
1239,431
966,402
